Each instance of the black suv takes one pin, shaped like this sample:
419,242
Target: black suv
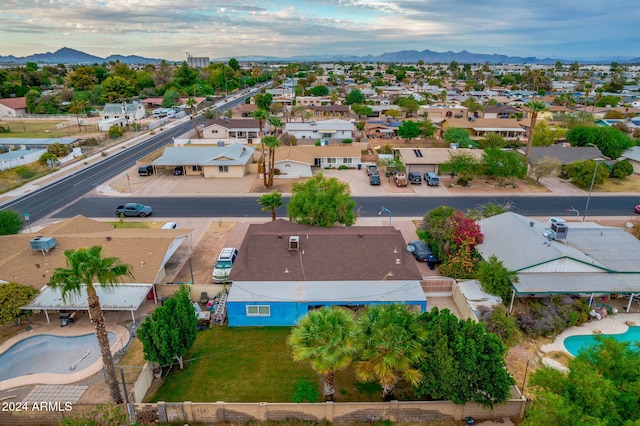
145,170
415,178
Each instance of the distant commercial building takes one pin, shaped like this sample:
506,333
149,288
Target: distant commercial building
198,61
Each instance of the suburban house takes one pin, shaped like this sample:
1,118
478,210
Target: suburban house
208,161
330,110
22,157
131,112
297,161
284,270
23,260
563,258
564,154
13,107
324,129
243,131
478,128
437,113
243,110
632,155
379,131
423,160
500,111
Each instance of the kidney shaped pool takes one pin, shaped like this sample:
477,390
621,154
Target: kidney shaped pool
574,344
45,353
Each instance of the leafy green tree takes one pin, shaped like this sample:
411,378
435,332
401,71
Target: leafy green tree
263,100
547,136
320,90
10,222
47,158
503,164
502,325
58,149
492,140
458,136
602,387
77,107
463,362
85,268
463,164
234,64
12,297
541,167
321,202
117,89
409,130
116,131
271,202
472,105
607,101
355,96
170,331
185,76
609,140
581,173
361,110
495,278
325,339
427,128
535,107
622,169
171,98
390,342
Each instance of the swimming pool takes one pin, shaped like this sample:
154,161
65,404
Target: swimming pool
573,344
45,353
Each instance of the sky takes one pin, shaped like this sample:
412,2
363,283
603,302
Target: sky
168,29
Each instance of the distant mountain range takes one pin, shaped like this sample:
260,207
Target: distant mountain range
72,56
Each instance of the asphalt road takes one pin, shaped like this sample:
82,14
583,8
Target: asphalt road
60,193
409,206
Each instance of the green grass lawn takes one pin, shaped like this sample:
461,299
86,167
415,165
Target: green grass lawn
251,364
37,129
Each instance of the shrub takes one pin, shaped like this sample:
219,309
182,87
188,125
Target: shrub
116,131
500,323
305,392
549,316
622,169
347,140
24,172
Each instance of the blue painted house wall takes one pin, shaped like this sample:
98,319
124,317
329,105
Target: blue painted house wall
283,312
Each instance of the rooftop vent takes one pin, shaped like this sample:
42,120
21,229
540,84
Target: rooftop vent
294,242
561,230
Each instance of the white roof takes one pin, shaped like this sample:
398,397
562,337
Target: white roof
121,297
228,155
326,291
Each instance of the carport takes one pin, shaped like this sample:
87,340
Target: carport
540,284
120,297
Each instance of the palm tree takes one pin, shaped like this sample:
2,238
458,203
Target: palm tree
78,106
535,107
262,115
84,268
276,123
271,201
272,143
324,338
192,103
391,343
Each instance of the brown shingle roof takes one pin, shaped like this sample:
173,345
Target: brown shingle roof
14,103
340,253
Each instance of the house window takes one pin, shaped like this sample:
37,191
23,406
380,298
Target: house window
223,169
214,131
196,168
331,160
346,160
258,310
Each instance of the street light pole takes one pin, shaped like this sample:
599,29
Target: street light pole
385,210
593,179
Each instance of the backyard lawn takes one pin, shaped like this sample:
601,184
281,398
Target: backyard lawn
251,364
38,129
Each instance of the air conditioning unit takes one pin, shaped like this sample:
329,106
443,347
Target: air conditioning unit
42,243
294,242
560,229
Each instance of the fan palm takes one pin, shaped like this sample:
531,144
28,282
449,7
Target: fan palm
535,107
324,338
391,344
84,268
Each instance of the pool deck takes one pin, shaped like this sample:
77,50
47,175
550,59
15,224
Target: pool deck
616,324
53,328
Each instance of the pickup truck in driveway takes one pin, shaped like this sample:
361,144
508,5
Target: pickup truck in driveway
133,209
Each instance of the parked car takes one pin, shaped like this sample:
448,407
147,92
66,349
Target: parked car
133,209
222,267
178,171
415,178
372,169
422,252
374,179
400,179
145,170
431,179
638,209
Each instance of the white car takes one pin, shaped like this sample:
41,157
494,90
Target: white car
222,267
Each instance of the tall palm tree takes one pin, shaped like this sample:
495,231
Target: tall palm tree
270,202
535,107
84,268
262,115
324,338
271,142
390,340
277,124
192,103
